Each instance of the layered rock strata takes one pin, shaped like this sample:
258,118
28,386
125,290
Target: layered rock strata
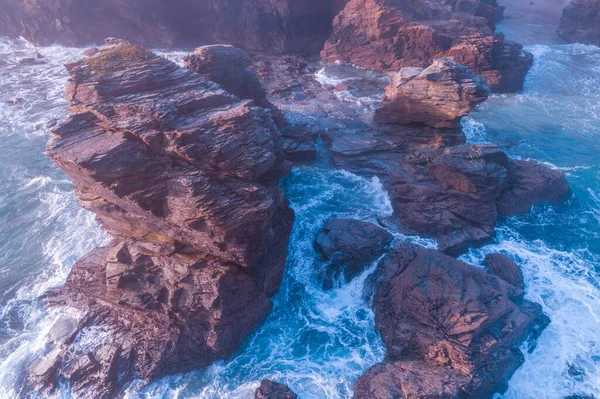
451,330
182,174
580,22
387,35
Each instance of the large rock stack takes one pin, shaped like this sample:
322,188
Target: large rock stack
387,35
182,175
580,22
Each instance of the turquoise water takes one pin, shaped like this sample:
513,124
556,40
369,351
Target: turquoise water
319,341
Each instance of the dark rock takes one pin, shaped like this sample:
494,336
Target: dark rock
273,390
438,96
580,22
287,26
350,246
450,194
183,175
531,183
450,329
501,266
387,35
298,143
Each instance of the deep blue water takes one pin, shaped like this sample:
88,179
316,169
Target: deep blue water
319,341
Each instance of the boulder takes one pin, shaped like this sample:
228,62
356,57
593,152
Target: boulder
273,390
450,329
183,175
529,183
438,96
388,35
580,22
350,246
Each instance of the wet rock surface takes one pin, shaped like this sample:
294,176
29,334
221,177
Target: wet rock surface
273,390
438,96
451,330
349,246
392,34
183,175
580,22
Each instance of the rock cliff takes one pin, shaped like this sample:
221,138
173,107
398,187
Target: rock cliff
182,174
580,22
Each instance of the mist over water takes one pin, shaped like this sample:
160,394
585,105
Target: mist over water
319,342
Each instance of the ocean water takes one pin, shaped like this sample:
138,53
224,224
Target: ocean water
319,341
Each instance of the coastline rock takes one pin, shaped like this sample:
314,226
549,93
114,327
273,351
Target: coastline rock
501,266
350,246
580,22
387,35
450,194
273,390
450,329
285,26
438,96
298,143
183,175
530,183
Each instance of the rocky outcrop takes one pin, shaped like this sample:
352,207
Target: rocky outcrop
272,27
273,390
451,330
455,194
298,143
388,35
501,266
183,175
438,96
580,22
349,246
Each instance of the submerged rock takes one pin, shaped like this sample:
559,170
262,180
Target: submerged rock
580,22
451,330
388,35
273,390
350,246
183,175
438,96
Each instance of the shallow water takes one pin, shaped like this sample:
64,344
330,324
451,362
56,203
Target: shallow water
319,341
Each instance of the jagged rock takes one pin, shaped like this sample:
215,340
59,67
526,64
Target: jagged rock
273,390
183,174
455,194
450,329
450,194
580,22
501,266
388,35
286,26
438,96
298,143
530,183
350,246
381,150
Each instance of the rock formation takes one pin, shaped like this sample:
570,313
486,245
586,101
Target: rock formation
273,390
349,246
272,27
451,330
455,194
438,96
182,174
387,35
580,22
